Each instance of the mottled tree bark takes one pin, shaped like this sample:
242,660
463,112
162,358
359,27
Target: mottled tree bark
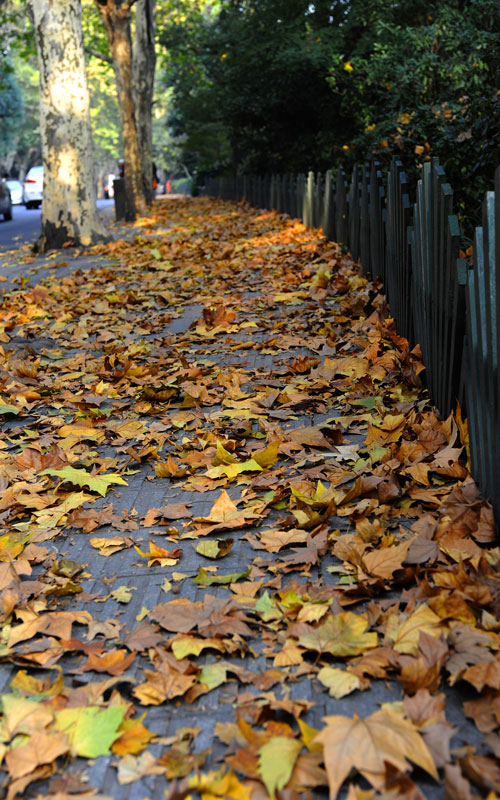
69,212
144,62
116,17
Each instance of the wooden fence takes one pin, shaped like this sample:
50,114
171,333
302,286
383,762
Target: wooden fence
450,308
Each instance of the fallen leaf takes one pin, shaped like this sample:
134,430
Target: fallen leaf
90,731
80,477
215,548
338,682
276,762
366,744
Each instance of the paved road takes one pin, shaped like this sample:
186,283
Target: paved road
25,225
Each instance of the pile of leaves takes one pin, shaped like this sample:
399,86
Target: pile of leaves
319,582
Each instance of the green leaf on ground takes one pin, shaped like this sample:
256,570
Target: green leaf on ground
276,762
205,578
90,731
6,408
80,477
215,548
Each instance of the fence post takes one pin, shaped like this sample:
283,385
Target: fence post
308,202
400,243
364,221
341,219
354,213
377,224
328,215
299,195
318,200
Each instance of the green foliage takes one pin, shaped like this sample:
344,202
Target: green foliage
251,84
198,139
420,82
26,141
279,85
16,48
104,113
11,108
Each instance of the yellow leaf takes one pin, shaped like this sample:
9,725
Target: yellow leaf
215,785
79,432
160,556
191,646
406,635
134,737
222,510
338,681
107,547
268,457
222,455
122,594
232,470
308,736
342,634
277,759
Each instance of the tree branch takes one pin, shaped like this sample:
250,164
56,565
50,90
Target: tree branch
96,54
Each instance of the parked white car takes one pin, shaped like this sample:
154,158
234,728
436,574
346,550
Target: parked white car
109,190
16,191
33,188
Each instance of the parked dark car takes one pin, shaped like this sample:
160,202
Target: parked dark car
5,200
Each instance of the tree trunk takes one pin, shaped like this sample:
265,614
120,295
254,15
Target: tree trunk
69,212
116,18
144,62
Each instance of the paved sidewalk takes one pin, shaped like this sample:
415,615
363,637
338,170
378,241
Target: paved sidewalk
223,367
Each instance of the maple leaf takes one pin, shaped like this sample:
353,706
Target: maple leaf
169,469
160,687
115,662
233,470
112,545
22,715
132,769
406,635
342,634
191,646
366,744
276,762
205,578
223,510
53,623
79,432
41,748
133,738
7,408
160,556
215,548
80,477
122,594
219,785
90,731
338,681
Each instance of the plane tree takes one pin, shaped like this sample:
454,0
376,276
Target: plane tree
69,214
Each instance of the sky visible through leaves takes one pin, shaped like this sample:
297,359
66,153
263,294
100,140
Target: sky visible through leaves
241,556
